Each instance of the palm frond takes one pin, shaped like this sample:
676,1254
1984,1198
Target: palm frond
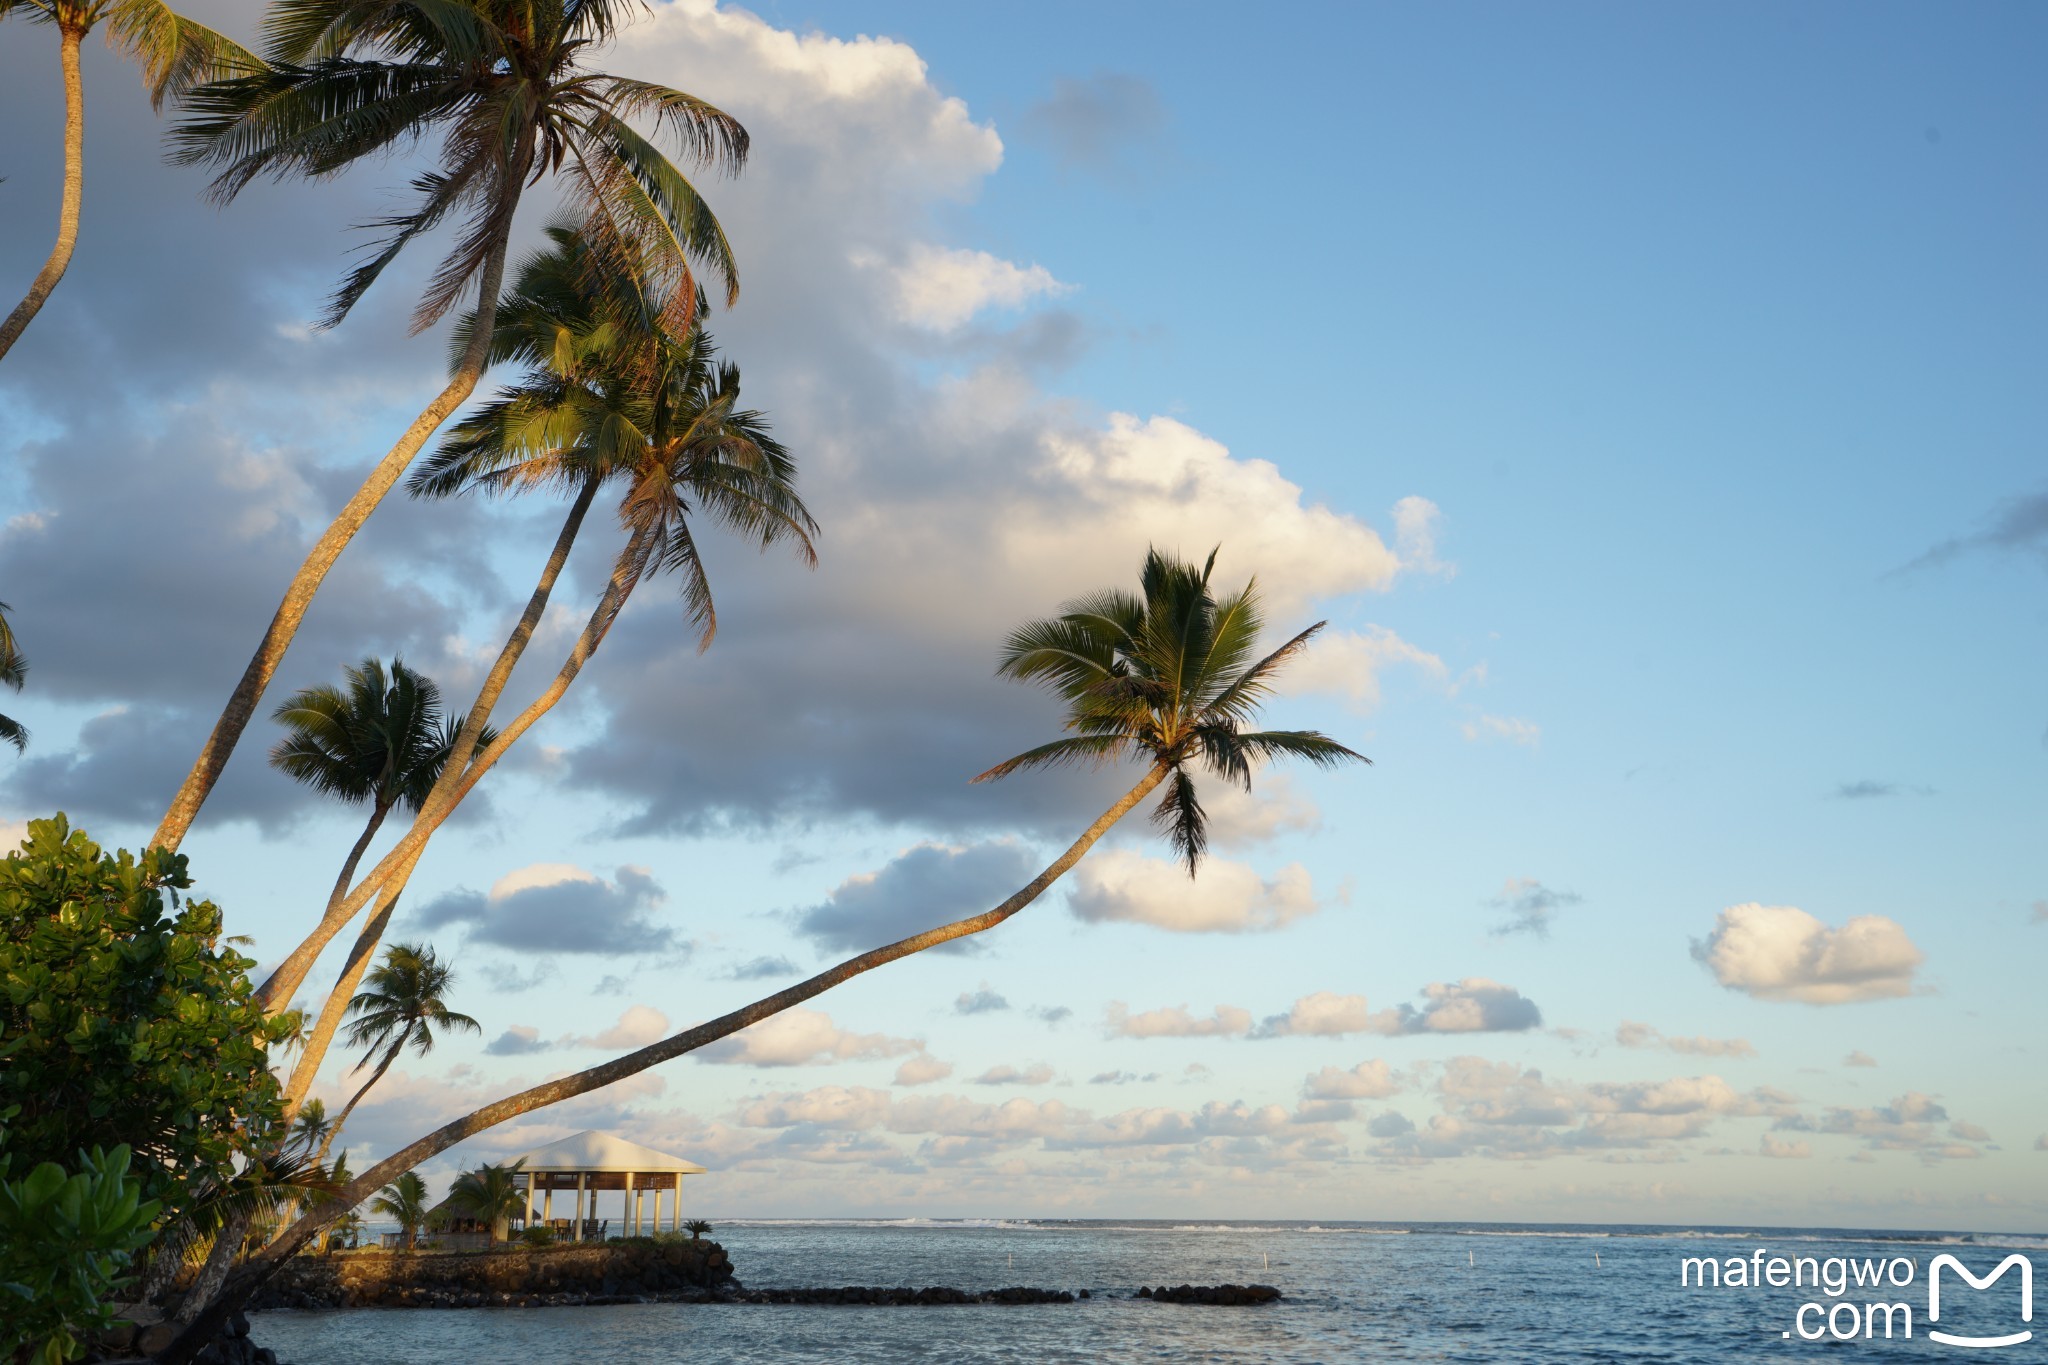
1074,751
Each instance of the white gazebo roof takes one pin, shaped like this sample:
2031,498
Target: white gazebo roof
591,1150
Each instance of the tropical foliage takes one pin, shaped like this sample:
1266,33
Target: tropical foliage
13,674
404,1202
67,1247
507,86
403,1003
489,1194
125,1020
1171,675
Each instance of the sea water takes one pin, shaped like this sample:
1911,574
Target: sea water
1526,1294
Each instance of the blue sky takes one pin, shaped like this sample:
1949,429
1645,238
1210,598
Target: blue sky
1711,340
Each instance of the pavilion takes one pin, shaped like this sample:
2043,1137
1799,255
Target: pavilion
592,1161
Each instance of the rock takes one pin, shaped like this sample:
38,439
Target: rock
238,1325
152,1339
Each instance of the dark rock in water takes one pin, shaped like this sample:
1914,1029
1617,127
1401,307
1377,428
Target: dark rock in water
903,1296
1223,1295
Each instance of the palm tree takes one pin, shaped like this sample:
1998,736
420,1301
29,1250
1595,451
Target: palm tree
505,81
404,1201
613,395
698,1229
175,54
489,1194
402,1006
382,740
1169,678
14,673
309,1129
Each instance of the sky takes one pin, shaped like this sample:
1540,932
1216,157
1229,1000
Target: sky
1648,399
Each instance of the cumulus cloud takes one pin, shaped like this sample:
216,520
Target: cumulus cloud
1528,907
929,885
1223,898
1636,1035
942,288
559,908
1912,1122
1772,1145
1351,664
1121,1077
637,1027
1859,1058
1240,819
799,1036
922,1069
1779,952
1369,1080
517,1041
1510,728
1174,1021
1038,1073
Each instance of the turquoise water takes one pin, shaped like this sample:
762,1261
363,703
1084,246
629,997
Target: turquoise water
1531,1295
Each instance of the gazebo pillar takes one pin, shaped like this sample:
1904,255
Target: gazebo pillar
529,1201
547,1202
676,1219
629,1216
581,1178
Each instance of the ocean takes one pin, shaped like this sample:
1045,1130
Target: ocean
1465,1292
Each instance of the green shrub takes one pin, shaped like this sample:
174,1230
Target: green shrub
66,1246
125,1021
538,1236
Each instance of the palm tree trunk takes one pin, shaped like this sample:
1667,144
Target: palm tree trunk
74,192
355,855
261,1266
314,1052
298,596
291,973
212,1275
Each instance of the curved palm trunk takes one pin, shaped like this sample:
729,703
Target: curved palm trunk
298,596
74,192
264,1264
314,1052
291,973
355,855
206,1285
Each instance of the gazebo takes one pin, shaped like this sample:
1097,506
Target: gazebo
592,1161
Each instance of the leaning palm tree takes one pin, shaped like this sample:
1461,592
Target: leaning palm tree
613,396
1169,679
404,1201
489,1194
507,84
404,1002
13,673
175,54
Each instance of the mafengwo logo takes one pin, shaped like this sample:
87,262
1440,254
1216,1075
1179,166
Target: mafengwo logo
1852,1315
2012,1262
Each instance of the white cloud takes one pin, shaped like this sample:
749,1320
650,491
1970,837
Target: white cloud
1241,819
942,288
1773,1146
1369,1080
517,1041
559,907
1530,907
833,1106
1175,1022
923,1069
1223,898
1859,1058
1349,664
1779,952
1635,1035
1509,728
799,1036
1415,523
1326,1014
637,1027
